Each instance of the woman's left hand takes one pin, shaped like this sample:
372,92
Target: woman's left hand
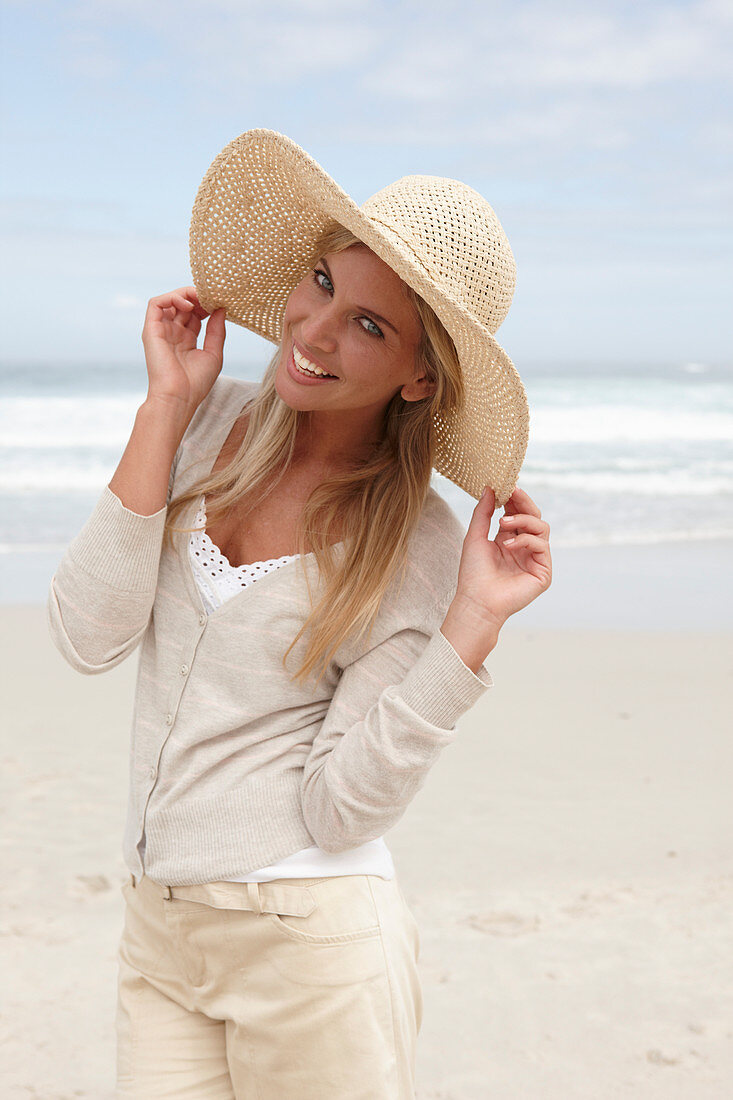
501,577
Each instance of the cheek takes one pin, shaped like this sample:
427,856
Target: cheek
378,371
296,299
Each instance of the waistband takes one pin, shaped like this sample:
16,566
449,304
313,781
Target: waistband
287,899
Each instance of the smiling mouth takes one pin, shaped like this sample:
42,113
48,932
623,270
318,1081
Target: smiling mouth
306,367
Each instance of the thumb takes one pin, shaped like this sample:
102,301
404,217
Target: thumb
215,332
482,513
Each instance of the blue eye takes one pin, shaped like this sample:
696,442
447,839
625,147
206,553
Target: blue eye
375,330
318,272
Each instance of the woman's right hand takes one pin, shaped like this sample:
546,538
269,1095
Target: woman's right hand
179,374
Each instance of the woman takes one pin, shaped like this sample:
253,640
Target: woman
312,620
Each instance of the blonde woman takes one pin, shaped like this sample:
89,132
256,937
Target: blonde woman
312,618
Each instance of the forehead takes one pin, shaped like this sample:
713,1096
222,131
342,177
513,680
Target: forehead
360,257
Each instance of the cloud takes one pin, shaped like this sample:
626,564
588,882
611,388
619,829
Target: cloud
410,51
127,301
599,130
243,43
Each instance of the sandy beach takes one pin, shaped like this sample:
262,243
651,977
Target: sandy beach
576,947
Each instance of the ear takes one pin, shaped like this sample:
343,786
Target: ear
418,389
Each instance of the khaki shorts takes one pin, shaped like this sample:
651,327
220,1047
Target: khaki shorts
297,989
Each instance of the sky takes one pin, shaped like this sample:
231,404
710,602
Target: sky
601,133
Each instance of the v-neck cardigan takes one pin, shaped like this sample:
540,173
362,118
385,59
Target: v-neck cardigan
234,766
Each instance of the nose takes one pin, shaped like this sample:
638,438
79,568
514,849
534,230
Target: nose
320,328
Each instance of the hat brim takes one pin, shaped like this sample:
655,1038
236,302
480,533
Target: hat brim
258,214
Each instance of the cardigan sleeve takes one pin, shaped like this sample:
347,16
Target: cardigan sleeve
377,743
102,593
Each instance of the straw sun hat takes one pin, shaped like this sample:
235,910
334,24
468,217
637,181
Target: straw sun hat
258,212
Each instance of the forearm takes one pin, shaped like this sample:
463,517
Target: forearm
469,632
104,587
141,479
360,776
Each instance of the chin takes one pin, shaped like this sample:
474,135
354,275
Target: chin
288,391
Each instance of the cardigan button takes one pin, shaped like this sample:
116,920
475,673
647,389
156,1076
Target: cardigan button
184,670
169,719
202,619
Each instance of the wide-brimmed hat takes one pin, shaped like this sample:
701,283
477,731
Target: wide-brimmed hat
258,213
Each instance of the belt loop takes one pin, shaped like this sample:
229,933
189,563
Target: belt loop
253,892
167,894
132,881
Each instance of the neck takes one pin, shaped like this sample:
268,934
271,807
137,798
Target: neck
330,440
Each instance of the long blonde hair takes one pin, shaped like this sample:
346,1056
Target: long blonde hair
377,502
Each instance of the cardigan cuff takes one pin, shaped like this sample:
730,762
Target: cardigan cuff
440,687
120,547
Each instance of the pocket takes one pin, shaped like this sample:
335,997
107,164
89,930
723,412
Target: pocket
286,927
345,912
338,944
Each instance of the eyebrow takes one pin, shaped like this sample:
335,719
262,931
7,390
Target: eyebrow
376,316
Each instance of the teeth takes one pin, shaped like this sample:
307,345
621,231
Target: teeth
306,366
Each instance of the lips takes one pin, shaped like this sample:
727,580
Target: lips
305,369
308,367
304,378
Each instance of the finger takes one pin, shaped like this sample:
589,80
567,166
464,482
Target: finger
193,325
215,332
480,523
532,523
187,292
165,308
527,542
190,294
179,312
182,304
186,312
519,501
185,298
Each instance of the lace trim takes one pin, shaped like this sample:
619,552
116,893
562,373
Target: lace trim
215,576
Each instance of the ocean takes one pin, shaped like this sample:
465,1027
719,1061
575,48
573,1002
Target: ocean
616,455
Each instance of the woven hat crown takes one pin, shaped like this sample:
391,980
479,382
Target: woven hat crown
454,234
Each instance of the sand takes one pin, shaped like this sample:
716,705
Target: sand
568,863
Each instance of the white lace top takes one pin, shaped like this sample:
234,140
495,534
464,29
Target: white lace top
217,580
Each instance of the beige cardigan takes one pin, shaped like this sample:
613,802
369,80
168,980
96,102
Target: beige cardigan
233,766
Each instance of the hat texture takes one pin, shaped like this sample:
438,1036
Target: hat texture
258,213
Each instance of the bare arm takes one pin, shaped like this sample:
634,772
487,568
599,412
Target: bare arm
179,377
103,590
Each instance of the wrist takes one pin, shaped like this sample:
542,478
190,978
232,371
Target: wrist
142,476
167,416
482,620
472,633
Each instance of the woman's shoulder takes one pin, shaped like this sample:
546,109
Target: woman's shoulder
438,534
433,558
223,404
210,426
